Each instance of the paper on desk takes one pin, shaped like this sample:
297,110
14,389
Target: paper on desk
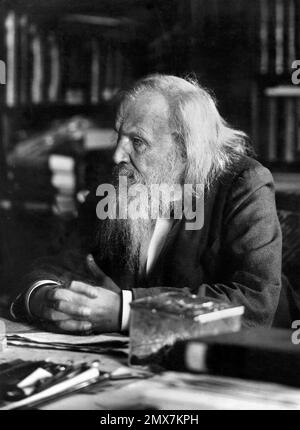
30,333
95,348
57,338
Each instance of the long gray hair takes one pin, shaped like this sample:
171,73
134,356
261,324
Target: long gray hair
209,144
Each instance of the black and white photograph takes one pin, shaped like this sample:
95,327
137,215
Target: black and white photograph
149,208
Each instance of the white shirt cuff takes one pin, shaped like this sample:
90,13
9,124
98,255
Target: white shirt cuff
126,300
33,287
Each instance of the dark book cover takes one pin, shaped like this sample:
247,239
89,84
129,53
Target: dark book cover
264,354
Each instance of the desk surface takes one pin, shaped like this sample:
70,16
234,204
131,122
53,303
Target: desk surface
26,353
76,401
169,390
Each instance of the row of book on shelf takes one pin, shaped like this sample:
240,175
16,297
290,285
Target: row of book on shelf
54,169
282,123
44,67
279,35
276,32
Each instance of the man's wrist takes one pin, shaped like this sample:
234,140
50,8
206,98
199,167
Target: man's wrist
20,307
32,291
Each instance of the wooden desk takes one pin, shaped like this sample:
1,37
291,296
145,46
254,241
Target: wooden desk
13,352
170,390
74,401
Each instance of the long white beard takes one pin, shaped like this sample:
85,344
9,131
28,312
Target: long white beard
121,240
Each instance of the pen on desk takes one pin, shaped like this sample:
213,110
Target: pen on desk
20,391
41,376
66,373
81,375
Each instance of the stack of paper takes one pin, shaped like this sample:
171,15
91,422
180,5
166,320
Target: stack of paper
25,335
97,344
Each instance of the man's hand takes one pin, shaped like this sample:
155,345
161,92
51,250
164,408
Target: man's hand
100,276
81,307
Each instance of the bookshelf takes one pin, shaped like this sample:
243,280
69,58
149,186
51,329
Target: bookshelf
275,99
61,61
87,50
245,54
71,58
65,62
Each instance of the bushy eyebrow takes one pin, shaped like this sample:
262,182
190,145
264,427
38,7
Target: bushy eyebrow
140,132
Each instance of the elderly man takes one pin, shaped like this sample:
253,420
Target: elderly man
169,131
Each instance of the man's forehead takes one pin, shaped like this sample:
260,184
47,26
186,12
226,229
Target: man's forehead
146,108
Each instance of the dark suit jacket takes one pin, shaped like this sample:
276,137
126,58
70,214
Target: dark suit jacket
236,256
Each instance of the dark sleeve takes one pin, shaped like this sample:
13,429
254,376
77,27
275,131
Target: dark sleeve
251,246
69,264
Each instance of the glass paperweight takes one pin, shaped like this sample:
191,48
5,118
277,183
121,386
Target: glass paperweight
157,322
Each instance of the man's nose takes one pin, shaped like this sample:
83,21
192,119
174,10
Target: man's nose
122,151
